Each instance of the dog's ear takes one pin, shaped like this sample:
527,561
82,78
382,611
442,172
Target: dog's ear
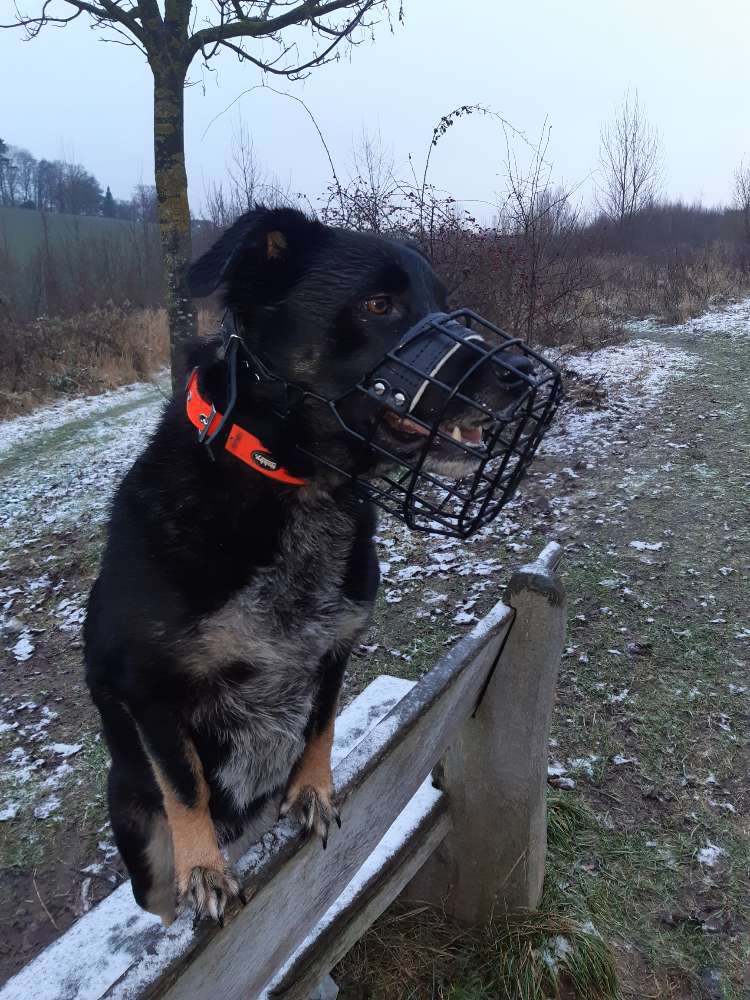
264,240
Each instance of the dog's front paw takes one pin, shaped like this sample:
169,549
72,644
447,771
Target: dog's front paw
315,806
209,890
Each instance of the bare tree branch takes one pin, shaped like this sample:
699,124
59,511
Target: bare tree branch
243,26
103,12
293,72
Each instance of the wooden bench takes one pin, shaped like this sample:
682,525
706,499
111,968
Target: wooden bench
442,791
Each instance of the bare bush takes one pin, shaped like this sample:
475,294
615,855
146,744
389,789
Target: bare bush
674,285
90,352
527,271
542,228
99,349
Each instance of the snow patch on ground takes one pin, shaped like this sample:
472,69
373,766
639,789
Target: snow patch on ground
49,418
63,472
632,375
731,321
709,855
24,648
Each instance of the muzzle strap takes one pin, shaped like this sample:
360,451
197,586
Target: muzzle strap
417,360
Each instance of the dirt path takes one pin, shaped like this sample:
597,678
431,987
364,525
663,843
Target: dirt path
652,719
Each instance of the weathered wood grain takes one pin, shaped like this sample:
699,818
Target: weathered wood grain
495,772
401,853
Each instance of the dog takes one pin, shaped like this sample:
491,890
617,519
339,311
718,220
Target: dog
232,592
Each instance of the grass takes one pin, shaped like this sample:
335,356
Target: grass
534,957
415,951
25,842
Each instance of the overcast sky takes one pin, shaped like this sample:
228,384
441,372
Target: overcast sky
65,94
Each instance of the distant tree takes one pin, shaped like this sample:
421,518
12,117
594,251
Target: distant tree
17,175
145,203
7,175
26,167
630,164
48,181
3,158
80,191
741,195
246,184
170,41
109,209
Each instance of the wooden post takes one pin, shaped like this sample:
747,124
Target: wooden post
495,772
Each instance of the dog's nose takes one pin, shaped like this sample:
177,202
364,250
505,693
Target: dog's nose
514,371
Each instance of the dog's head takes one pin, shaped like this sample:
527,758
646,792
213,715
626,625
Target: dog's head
321,307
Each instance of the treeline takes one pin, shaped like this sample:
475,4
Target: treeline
66,188
545,267
663,224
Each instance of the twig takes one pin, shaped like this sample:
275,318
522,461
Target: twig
43,904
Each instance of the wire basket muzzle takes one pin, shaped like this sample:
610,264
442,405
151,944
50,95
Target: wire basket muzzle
482,401
445,426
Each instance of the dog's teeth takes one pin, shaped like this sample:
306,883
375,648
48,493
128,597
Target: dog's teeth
456,433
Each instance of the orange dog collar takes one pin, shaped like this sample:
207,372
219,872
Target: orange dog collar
240,443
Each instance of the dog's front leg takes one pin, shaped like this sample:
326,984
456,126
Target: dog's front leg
310,787
202,875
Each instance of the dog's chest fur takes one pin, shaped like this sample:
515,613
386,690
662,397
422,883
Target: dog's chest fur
262,650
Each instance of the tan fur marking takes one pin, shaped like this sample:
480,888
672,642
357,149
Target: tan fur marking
193,834
160,898
314,767
275,244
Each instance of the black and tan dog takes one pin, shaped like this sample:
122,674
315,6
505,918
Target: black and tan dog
230,596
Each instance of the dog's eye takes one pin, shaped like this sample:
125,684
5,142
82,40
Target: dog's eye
378,305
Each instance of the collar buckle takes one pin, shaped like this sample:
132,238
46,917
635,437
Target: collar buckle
205,420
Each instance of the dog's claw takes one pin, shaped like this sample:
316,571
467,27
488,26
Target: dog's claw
316,810
209,890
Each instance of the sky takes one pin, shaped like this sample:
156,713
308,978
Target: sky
68,95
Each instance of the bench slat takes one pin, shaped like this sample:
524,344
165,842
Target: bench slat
399,855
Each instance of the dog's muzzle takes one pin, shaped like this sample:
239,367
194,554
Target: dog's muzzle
457,410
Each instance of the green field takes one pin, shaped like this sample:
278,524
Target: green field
60,263
24,232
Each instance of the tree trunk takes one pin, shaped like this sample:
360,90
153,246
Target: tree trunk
174,211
